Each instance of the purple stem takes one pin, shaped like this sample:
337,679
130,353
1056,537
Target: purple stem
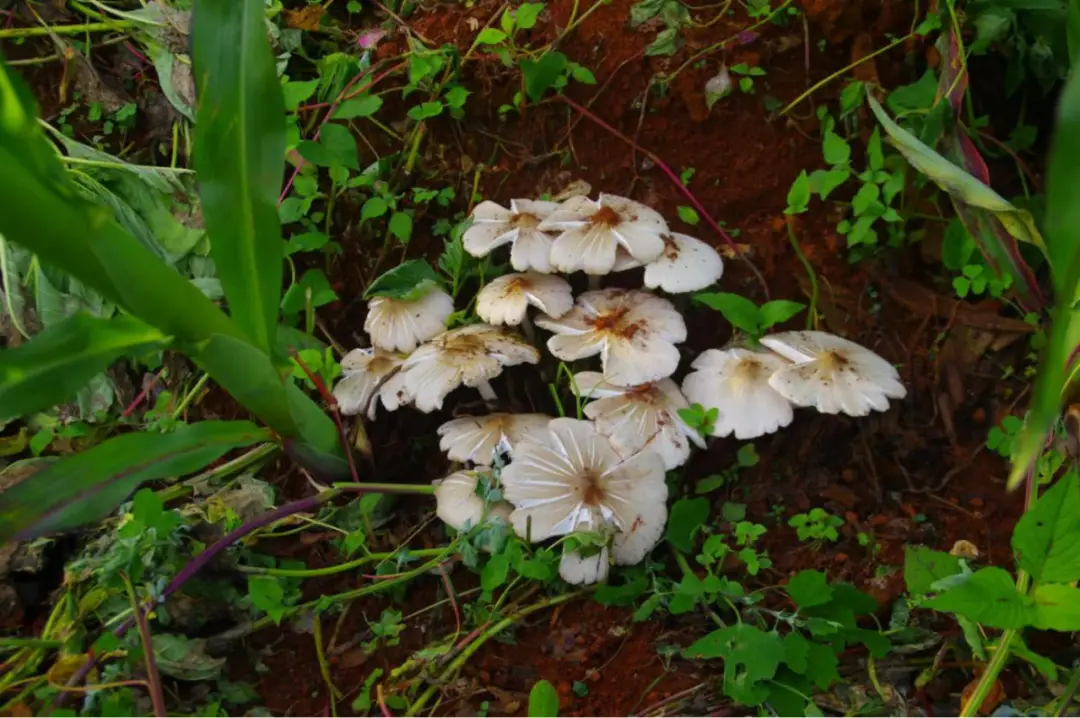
153,678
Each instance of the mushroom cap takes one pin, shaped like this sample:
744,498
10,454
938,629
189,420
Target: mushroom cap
633,331
577,569
591,231
506,299
575,480
687,265
458,505
478,438
639,417
399,325
494,226
468,355
364,372
833,374
736,382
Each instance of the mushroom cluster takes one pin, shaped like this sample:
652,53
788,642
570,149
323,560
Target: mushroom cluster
601,478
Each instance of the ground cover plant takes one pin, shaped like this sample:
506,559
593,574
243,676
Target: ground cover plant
538,358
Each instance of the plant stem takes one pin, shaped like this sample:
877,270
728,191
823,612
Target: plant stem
66,29
153,679
491,632
10,642
338,568
1070,693
812,317
719,45
702,212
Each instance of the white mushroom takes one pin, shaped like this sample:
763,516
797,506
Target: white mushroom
365,373
577,569
494,226
736,383
471,355
639,417
833,374
591,232
399,325
506,299
575,481
687,265
479,438
633,331
459,506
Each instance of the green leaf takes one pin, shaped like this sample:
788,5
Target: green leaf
835,149
688,214
362,106
490,36
823,182
313,283
540,75
666,43
751,657
809,588
1057,607
798,197
1062,222
687,518
495,572
55,364
401,226
1046,540
373,207
821,665
737,309
923,567
779,311
874,156
917,96
334,148
239,146
526,14
543,700
297,92
989,597
796,651
85,487
268,595
402,280
425,110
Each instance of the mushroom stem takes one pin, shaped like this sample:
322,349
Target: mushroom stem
486,392
594,281
528,329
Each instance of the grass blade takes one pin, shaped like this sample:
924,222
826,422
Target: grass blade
239,155
1059,365
58,362
85,487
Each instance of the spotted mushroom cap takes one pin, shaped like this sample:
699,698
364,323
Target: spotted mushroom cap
506,299
639,417
575,481
364,375
466,356
736,383
832,374
591,231
401,325
494,226
479,438
633,331
687,265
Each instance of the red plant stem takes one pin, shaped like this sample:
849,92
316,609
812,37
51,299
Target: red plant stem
453,599
142,394
342,96
331,404
683,189
153,678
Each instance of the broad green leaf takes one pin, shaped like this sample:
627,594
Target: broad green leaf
779,311
751,657
1046,540
85,487
823,182
798,196
312,287
796,651
923,567
737,309
687,518
526,14
335,147
490,36
989,597
1057,607
835,149
809,588
239,147
543,700
540,75
44,212
1063,232
495,572
373,207
403,280
401,226
362,106
959,184
58,362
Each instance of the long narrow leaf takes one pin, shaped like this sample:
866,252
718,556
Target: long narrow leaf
239,153
44,212
85,487
58,362
1063,233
